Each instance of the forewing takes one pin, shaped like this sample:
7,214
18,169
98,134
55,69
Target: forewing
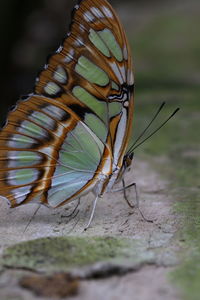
93,65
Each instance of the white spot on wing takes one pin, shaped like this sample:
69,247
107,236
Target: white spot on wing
115,69
54,111
97,12
59,49
130,77
82,28
122,69
125,52
78,42
126,104
107,12
21,193
88,16
121,128
52,88
124,97
60,75
69,56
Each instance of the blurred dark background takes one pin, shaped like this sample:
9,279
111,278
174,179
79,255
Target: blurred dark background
164,39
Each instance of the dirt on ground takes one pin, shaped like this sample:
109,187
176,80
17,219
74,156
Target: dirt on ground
113,217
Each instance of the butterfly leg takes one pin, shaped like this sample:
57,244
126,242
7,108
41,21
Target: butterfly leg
74,210
31,219
137,199
92,213
125,194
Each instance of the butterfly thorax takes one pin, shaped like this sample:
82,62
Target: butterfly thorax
106,182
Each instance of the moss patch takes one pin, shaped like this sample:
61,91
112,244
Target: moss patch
57,254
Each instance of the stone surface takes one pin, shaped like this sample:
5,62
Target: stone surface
119,242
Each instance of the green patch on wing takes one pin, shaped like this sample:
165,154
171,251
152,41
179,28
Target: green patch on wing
91,72
114,109
115,86
98,42
88,147
52,88
23,158
23,176
79,158
110,40
33,130
99,107
97,126
42,119
20,141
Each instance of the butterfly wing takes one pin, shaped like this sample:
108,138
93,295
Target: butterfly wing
47,153
94,64
58,141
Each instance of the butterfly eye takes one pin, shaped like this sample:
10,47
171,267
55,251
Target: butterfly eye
128,160
131,155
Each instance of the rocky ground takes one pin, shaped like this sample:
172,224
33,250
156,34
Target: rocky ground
135,258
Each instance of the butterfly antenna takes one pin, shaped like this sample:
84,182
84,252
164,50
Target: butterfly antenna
145,130
171,116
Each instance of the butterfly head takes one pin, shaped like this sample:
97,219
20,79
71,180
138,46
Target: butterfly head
126,166
127,161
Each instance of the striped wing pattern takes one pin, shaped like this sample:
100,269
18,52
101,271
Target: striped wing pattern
73,131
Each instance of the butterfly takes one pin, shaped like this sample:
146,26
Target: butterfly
71,135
